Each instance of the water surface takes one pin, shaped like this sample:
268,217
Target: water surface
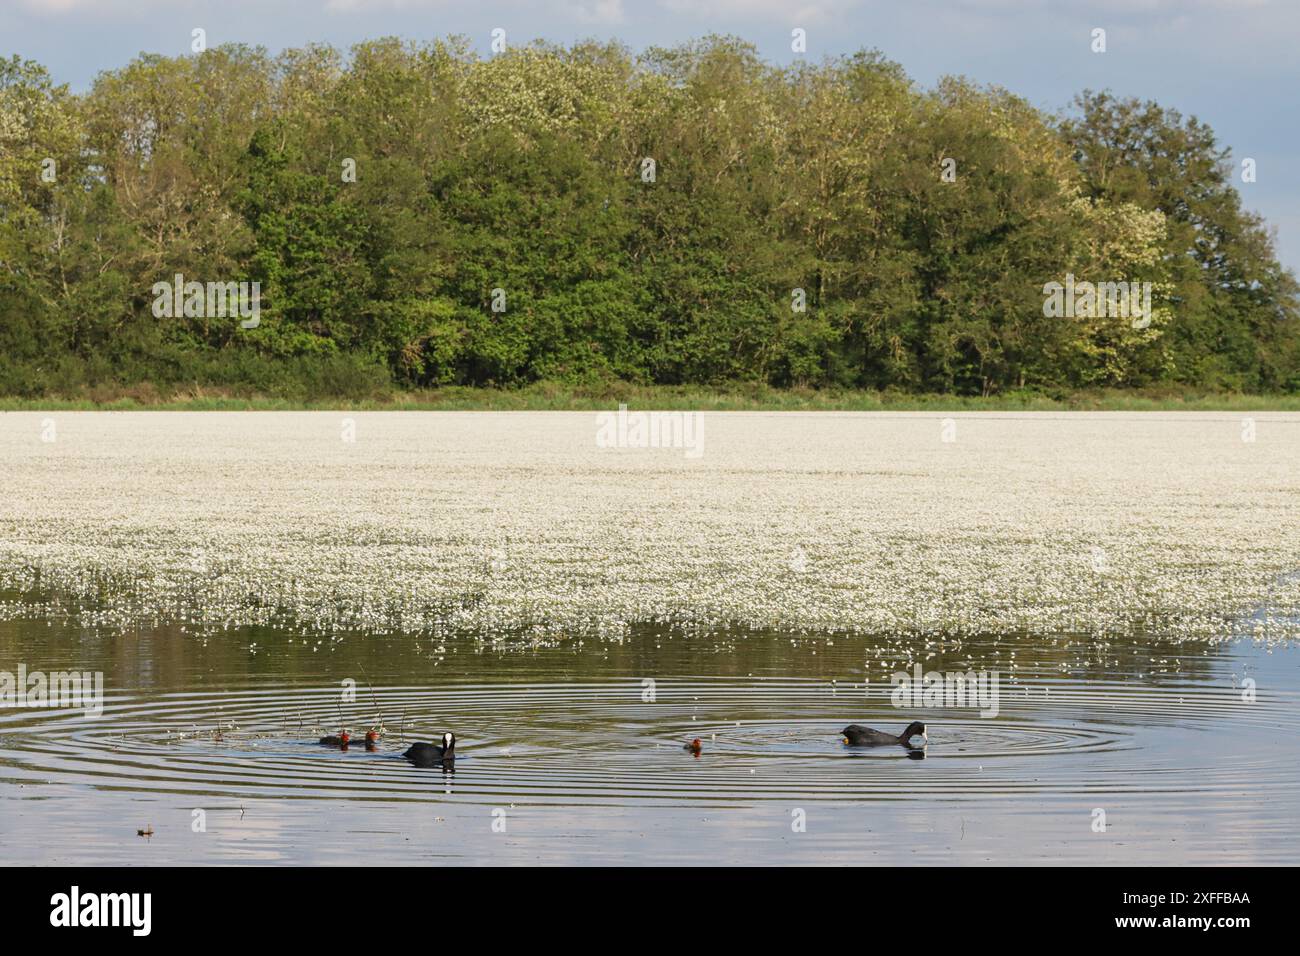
562,759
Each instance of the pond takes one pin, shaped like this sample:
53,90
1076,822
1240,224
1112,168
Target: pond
1101,752
574,613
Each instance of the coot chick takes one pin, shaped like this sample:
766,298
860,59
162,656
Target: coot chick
855,735
371,740
693,746
431,755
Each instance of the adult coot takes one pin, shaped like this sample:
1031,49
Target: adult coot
431,755
855,735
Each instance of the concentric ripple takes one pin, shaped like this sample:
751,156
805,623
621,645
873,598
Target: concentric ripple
602,743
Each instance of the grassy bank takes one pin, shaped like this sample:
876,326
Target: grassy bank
556,397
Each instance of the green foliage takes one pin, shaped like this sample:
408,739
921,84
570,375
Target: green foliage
523,179
1235,314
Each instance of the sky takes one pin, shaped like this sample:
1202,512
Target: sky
1232,63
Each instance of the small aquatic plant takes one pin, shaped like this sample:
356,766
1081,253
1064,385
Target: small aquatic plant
1087,524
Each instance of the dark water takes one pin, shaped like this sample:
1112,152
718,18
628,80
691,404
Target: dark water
562,760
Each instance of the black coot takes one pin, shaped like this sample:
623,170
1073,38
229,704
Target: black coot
855,735
432,755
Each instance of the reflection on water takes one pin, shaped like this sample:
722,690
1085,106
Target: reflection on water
576,754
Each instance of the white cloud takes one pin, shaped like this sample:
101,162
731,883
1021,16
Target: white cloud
784,11
594,11
70,6
1114,6
350,6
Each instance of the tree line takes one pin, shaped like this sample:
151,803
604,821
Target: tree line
415,216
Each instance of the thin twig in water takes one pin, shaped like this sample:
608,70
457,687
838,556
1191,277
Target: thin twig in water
378,713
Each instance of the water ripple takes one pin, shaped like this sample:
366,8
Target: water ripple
599,742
